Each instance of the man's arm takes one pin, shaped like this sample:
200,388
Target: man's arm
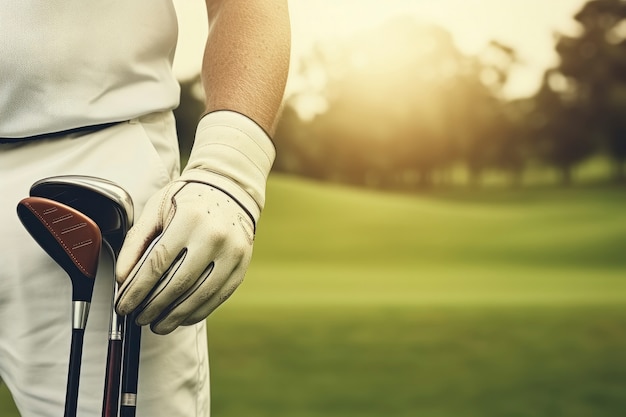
192,245
246,58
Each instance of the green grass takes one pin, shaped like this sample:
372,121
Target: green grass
425,361
453,303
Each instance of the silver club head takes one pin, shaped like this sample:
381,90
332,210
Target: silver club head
108,204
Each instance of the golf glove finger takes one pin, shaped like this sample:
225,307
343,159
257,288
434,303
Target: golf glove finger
193,243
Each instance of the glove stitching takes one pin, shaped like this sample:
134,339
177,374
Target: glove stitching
163,281
163,203
131,278
227,178
246,134
226,111
186,295
163,226
224,191
257,166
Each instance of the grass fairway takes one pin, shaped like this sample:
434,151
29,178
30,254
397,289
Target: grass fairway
440,361
460,303
457,303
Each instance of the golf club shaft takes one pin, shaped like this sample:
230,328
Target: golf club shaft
73,375
110,401
111,208
130,367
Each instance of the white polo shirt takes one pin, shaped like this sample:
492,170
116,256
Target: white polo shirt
72,63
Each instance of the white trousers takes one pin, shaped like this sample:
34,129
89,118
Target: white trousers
35,293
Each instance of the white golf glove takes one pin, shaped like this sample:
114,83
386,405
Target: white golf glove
192,245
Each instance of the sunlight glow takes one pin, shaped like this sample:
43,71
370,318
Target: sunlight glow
527,26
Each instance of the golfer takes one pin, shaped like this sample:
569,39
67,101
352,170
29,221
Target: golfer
86,88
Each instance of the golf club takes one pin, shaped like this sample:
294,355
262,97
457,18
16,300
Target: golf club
73,240
110,206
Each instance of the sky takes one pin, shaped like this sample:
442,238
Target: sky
526,25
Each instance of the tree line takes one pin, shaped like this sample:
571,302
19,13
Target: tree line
402,107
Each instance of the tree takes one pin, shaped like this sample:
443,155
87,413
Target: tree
562,136
489,137
594,67
399,107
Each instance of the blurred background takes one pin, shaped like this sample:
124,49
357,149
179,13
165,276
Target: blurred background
445,230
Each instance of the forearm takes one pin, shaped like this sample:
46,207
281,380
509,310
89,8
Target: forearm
246,59
198,231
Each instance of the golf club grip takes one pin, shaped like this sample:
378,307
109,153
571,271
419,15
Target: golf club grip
110,401
73,374
130,367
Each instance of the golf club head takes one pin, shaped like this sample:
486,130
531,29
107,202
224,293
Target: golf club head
108,204
71,238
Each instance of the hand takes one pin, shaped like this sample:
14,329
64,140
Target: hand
192,245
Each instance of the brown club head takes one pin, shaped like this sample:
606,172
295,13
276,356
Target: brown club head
71,238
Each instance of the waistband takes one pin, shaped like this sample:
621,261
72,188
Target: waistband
51,135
